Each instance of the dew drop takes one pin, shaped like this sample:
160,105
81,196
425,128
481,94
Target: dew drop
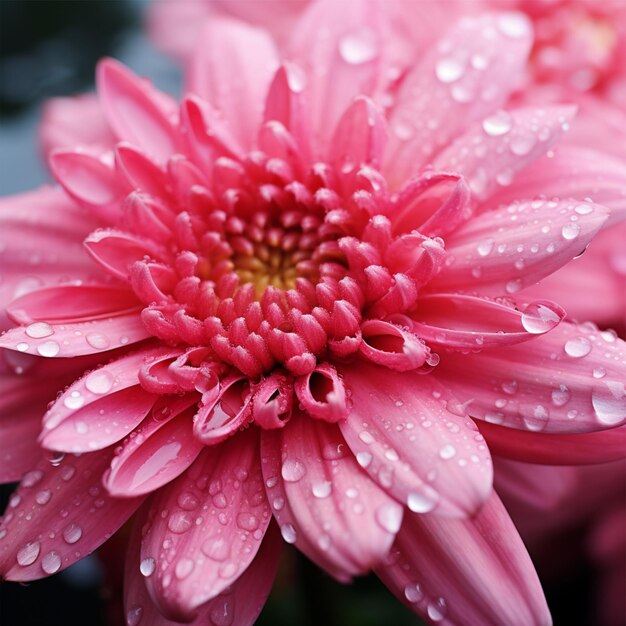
39,330
322,489
99,382
449,69
74,400
389,516
31,478
447,452
436,610
324,542
539,318
366,437
222,614
180,522
422,502
583,209
599,372
570,231
358,48
147,566
413,592
522,144
485,247
560,396
51,562
509,387
22,347
97,341
216,548
183,568
43,497
288,532
497,124
364,459
577,347
513,286
134,615
609,402
28,554
247,521
292,470
48,348
513,25
72,533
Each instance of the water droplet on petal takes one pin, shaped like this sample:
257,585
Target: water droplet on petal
43,497
436,610
38,330
134,615
413,592
485,247
180,522
51,562
292,470
497,124
570,231
322,489
72,533
609,402
422,502
30,479
364,459
389,516
99,382
449,69
447,452
357,48
183,568
577,347
288,532
513,286
48,348
539,318
147,566
28,554
97,341
560,396
513,25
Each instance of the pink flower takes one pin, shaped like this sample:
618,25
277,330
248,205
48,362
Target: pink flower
285,299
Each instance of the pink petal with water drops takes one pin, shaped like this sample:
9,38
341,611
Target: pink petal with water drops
322,394
140,171
71,303
77,121
323,502
490,154
570,380
473,571
343,63
41,242
59,514
232,71
435,203
239,604
77,338
206,528
464,322
501,252
135,111
423,453
570,172
90,182
601,446
159,450
538,486
116,251
470,73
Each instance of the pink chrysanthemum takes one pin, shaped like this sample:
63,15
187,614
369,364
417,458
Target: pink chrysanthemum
302,286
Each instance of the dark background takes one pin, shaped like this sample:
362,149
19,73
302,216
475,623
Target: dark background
50,48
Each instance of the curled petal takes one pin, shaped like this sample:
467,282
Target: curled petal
223,414
473,571
416,256
272,402
390,345
158,451
140,171
468,323
416,445
322,501
322,394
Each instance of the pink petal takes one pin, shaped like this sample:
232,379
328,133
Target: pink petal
59,514
342,64
505,250
206,528
117,251
538,486
465,322
322,501
76,338
239,604
135,110
161,449
92,183
75,122
570,380
232,71
470,73
42,234
322,394
100,408
414,447
580,449
490,154
473,571
70,303
571,172
140,172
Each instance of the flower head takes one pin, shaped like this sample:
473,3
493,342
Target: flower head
303,284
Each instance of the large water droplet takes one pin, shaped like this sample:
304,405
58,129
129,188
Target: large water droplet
570,231
364,459
51,562
43,497
436,610
539,318
514,25
288,532
413,592
577,347
31,478
97,341
216,548
322,489
447,452
497,124
39,330
72,533
48,348
134,615
292,470
609,402
183,568
357,48
449,69
179,522
74,400
560,396
147,566
422,502
28,554
522,144
99,382
389,516
485,247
